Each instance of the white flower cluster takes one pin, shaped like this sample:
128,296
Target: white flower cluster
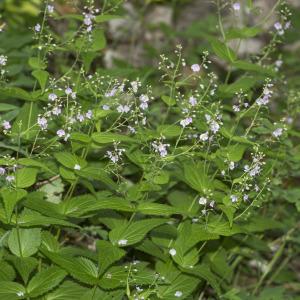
267,94
116,154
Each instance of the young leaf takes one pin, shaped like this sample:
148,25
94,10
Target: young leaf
42,78
168,100
222,50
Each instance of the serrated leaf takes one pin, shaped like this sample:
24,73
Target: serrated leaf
69,160
24,242
68,290
107,255
45,280
134,232
157,209
25,177
11,290
222,50
107,138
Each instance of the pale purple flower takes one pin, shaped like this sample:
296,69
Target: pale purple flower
37,27
160,148
192,101
185,122
144,105
178,294
42,122
6,125
52,97
111,93
89,114
60,133
236,6
2,171
80,117
105,107
68,91
3,60
277,132
214,126
278,26
195,68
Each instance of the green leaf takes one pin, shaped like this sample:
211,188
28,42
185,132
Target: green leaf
222,50
157,209
24,265
247,66
107,255
42,78
69,160
7,107
10,198
105,18
229,212
45,280
99,41
80,268
168,100
36,63
15,92
7,272
29,162
242,33
25,177
68,290
10,290
24,242
169,131
132,233
195,176
107,138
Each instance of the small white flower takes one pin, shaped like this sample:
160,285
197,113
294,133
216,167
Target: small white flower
123,108
60,132
234,198
52,97
6,125
214,126
20,294
178,294
204,136
2,171
144,105
277,132
278,26
186,122
236,108
195,68
67,137
193,101
42,122
202,201
37,27
50,9
212,204
231,165
10,178
135,85
105,107
144,98
172,252
236,6
245,197
80,117
89,114
68,91
77,167
122,242
3,60
56,111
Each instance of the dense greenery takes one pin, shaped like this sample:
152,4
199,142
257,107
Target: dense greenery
177,178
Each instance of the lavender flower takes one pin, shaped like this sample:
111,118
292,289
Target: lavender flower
60,133
3,60
195,68
6,125
52,97
42,122
185,122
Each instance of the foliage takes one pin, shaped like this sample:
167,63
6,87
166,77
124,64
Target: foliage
177,181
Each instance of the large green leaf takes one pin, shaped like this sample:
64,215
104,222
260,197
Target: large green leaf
25,177
107,138
11,290
24,242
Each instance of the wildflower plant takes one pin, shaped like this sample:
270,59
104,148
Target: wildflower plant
115,188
